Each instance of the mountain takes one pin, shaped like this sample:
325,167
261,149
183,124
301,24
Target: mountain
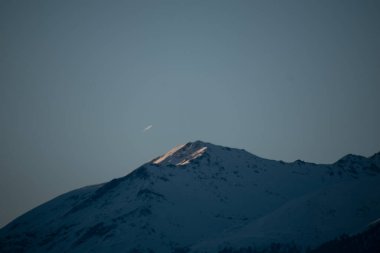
201,197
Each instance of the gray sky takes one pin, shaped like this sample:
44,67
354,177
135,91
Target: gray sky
81,81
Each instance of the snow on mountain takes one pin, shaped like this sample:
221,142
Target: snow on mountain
203,197
182,154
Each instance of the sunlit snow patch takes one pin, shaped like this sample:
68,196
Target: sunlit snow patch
193,156
182,154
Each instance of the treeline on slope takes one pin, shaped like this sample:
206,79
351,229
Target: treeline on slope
365,242
273,248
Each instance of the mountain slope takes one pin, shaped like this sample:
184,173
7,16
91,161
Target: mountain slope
364,242
202,197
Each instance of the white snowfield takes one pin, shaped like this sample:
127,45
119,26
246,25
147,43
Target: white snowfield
203,197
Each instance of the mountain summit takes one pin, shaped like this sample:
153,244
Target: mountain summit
183,154
200,197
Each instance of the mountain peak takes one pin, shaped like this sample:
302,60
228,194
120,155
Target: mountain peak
227,195
375,156
350,158
183,154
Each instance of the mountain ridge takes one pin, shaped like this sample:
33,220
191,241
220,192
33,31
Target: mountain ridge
202,196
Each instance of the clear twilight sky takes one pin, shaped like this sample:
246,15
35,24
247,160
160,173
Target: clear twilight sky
90,90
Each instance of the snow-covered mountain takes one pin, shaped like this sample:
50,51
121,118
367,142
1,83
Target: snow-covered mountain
201,197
